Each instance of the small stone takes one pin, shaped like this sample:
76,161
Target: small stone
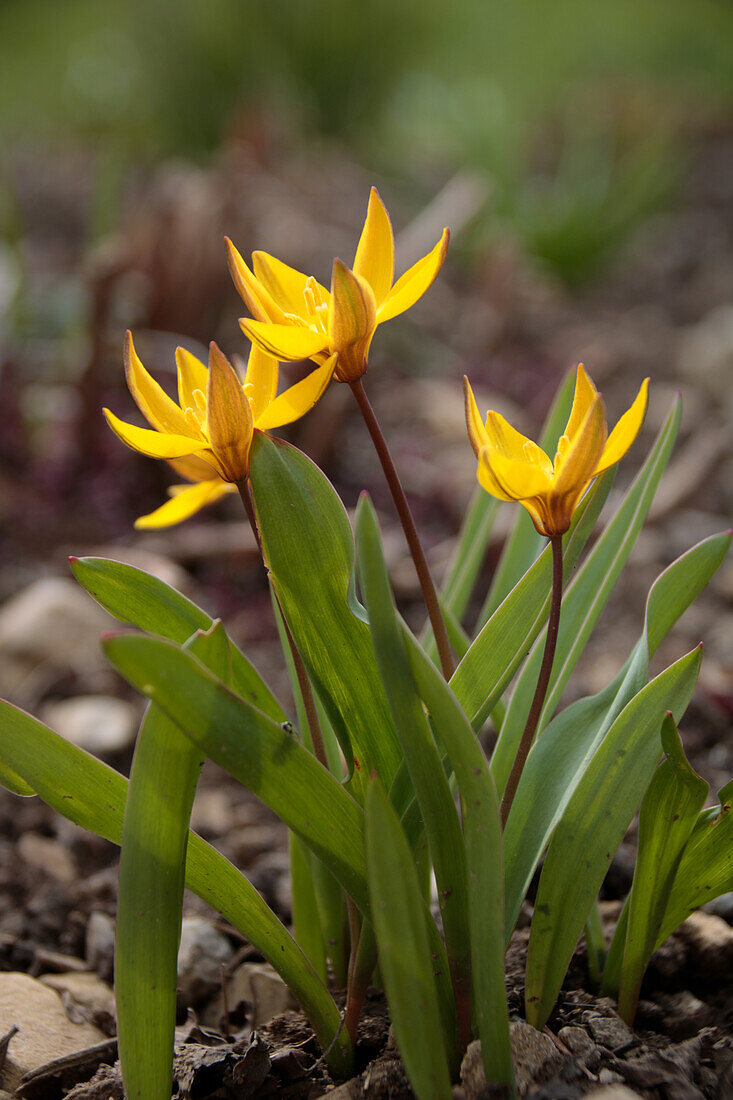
610,1031
98,723
581,1046
684,1014
45,1032
709,942
612,1092
100,944
608,1077
721,907
85,989
202,952
535,1056
260,987
49,856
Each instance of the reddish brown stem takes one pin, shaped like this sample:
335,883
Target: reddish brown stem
543,681
408,525
309,703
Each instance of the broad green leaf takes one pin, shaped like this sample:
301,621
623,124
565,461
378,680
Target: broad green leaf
667,816
524,543
92,795
431,787
482,833
585,598
706,868
559,757
163,779
404,951
265,757
309,550
502,645
592,827
142,600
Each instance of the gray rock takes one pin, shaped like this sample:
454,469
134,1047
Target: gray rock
100,944
86,990
202,952
260,986
709,943
581,1046
612,1092
98,723
609,1031
535,1058
44,1031
49,856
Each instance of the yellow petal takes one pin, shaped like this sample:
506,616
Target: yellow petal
626,431
187,500
288,343
487,480
153,402
284,284
585,395
375,253
194,467
518,480
257,299
298,399
575,467
228,417
155,444
192,375
476,430
352,319
260,381
512,444
413,284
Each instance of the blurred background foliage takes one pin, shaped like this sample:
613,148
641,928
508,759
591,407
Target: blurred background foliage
574,113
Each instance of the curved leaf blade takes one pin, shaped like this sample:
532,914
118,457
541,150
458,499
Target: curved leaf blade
139,599
256,750
593,825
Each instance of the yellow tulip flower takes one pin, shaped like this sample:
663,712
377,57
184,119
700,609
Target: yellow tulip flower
297,318
207,436
512,467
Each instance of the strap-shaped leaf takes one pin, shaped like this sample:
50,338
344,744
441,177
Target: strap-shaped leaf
667,816
500,648
706,868
559,758
404,950
142,600
592,827
524,543
584,599
309,550
256,750
92,795
432,791
163,779
482,833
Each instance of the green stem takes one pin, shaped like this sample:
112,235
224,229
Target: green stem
309,703
595,943
543,682
408,525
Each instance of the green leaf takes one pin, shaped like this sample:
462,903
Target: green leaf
404,950
165,772
592,827
309,550
482,833
13,782
142,600
668,813
92,795
559,757
524,543
306,918
502,645
585,598
431,787
260,753
705,870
